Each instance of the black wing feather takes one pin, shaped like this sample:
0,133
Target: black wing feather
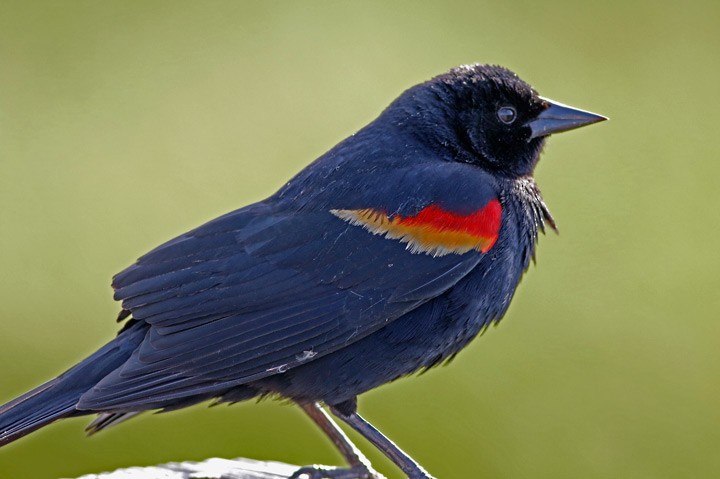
248,294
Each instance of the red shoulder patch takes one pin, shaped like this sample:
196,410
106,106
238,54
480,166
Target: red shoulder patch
433,230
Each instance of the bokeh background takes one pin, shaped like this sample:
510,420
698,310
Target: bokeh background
124,123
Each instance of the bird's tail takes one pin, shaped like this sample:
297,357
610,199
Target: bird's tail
57,398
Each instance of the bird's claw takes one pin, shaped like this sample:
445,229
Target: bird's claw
329,472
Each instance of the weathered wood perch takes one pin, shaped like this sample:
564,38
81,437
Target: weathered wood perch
214,468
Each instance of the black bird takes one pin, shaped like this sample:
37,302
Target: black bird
385,256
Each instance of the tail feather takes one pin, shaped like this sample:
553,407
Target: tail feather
58,397
108,419
33,410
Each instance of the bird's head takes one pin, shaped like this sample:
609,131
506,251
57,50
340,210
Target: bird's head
485,115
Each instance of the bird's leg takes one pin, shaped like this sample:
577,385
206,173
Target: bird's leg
349,451
360,467
348,414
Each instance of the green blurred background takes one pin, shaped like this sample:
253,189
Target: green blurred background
125,123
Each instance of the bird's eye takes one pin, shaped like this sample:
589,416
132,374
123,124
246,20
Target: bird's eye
507,114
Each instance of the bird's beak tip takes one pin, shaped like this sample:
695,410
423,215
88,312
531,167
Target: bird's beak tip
558,117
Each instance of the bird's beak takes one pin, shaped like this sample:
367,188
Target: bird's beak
558,117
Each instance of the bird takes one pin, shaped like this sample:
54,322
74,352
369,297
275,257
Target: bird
382,258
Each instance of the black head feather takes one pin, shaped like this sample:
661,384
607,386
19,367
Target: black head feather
475,114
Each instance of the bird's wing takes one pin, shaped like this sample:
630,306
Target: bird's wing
264,289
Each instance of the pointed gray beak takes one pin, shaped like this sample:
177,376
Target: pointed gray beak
558,117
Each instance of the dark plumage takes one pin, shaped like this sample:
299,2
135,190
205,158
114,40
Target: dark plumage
383,257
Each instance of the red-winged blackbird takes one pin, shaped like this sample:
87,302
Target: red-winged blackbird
385,256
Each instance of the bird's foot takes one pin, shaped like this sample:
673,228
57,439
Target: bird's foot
329,472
